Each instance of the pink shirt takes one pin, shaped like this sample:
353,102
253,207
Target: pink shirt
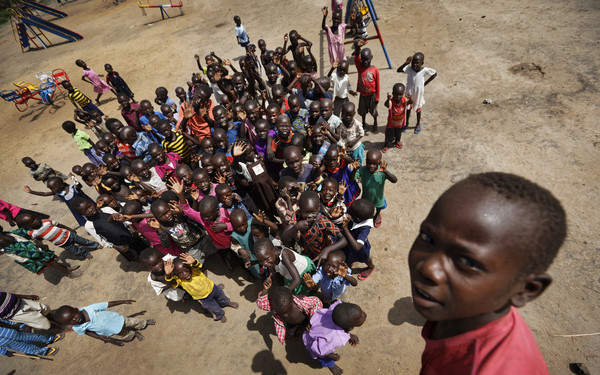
222,240
172,158
152,237
212,192
6,208
503,346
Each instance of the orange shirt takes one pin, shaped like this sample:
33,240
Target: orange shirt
196,124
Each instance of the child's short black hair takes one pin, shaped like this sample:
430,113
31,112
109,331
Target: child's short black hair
260,226
279,297
169,196
345,315
131,208
362,209
69,126
549,230
149,253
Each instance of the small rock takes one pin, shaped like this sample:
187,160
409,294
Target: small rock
487,101
482,16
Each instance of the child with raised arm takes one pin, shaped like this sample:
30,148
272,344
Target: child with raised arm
96,322
240,32
288,263
415,84
483,251
290,312
396,122
117,82
332,277
155,263
341,85
40,171
372,177
336,34
185,271
60,235
368,84
329,330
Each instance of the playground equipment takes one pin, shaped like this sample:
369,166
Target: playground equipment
371,9
28,27
26,91
163,12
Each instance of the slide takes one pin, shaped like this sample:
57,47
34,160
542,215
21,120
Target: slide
52,28
43,8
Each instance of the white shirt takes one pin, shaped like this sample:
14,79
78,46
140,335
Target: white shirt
341,85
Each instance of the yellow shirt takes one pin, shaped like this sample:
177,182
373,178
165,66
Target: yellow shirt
198,286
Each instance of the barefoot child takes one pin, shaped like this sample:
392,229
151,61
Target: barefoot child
96,322
78,98
341,85
415,84
91,77
185,271
368,84
84,142
396,122
242,242
372,177
240,32
482,252
332,277
155,263
357,235
117,82
290,312
329,330
335,35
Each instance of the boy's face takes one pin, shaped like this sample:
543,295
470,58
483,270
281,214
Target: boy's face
332,264
417,63
163,213
211,215
76,317
398,93
208,165
326,109
123,101
88,209
347,116
202,182
271,114
147,109
180,94
332,160
225,197
262,131
294,161
155,265
240,224
266,258
372,163
283,126
208,146
465,262
142,171
310,211
183,271
220,117
29,163
56,187
342,69
328,191
294,106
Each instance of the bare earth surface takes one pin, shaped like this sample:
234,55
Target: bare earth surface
537,60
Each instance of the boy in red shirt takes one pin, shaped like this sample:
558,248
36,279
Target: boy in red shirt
368,84
482,251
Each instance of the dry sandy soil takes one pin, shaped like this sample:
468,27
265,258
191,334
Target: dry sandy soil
537,60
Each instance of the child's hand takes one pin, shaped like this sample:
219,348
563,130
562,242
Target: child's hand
408,60
267,283
388,96
362,42
153,223
195,194
105,117
239,148
261,216
285,37
353,93
176,186
175,207
169,267
382,166
133,178
302,225
220,178
335,63
195,158
242,115
154,196
27,189
324,10
342,269
353,340
237,197
187,110
128,301
197,57
132,197
346,220
337,212
308,281
187,258
102,170
218,227
342,187
227,62
355,164
116,216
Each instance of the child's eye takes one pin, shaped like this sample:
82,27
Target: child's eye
470,262
425,237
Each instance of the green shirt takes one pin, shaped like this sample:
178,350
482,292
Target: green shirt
82,140
372,186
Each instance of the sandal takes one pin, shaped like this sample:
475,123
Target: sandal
418,129
399,145
377,222
52,352
384,150
58,337
363,276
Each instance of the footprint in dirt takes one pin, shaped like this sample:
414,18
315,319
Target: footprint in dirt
531,70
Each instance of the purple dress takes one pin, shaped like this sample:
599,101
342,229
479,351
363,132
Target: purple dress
324,336
100,87
335,43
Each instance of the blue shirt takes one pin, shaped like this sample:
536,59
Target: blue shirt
140,146
104,323
144,120
331,288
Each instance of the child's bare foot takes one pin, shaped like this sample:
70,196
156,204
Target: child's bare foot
334,356
221,286
139,336
223,319
235,305
74,274
150,322
73,268
336,370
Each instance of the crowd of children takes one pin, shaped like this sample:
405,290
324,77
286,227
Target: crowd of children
265,167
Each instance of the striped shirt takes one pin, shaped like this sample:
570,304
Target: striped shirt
9,304
78,97
126,150
178,146
49,231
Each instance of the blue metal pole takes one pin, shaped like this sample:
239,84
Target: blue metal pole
370,6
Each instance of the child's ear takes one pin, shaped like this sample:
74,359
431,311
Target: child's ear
531,288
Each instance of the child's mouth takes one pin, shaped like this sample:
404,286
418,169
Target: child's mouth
420,294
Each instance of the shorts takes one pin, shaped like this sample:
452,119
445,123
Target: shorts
358,154
367,104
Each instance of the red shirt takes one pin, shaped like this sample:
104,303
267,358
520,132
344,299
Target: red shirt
126,150
368,79
397,114
503,346
132,117
196,125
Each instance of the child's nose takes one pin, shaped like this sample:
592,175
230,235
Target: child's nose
432,268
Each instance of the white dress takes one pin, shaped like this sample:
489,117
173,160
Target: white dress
415,85
300,263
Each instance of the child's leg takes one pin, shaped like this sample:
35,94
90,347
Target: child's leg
71,246
223,299
389,138
418,127
65,271
210,303
373,111
407,116
23,342
363,109
398,137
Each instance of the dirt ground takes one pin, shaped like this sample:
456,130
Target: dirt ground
542,124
